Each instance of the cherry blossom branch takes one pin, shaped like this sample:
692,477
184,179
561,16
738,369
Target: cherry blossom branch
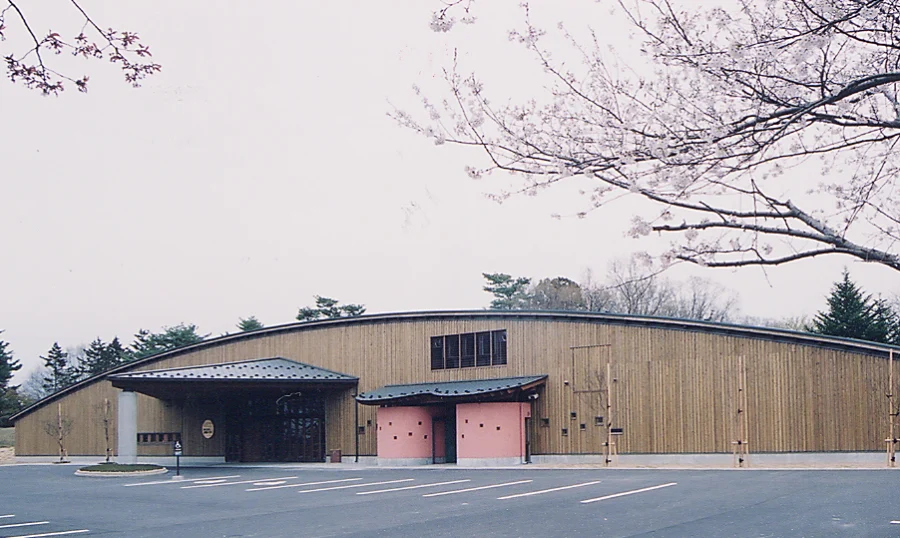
119,47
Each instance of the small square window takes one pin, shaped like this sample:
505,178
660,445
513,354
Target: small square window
545,422
565,431
573,415
598,421
582,427
361,430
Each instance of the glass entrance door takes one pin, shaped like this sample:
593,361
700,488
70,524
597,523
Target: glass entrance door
276,428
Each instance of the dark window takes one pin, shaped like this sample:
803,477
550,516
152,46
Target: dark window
158,437
483,349
468,350
498,355
451,348
437,352
467,342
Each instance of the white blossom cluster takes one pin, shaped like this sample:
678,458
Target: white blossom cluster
720,132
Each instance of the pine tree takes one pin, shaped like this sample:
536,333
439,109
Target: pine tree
8,365
10,401
329,308
147,343
853,314
100,357
509,293
60,373
249,324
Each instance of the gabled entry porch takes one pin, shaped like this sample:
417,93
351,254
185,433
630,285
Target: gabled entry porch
271,409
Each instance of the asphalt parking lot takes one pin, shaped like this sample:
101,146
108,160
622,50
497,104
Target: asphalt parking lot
47,500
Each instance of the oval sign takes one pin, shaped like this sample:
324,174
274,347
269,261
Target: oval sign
209,429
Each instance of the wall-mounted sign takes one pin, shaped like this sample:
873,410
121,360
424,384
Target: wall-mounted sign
209,429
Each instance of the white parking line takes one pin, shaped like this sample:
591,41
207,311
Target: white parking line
356,485
542,491
8,515
624,493
414,487
451,492
233,483
155,482
305,484
895,522
211,481
59,533
29,524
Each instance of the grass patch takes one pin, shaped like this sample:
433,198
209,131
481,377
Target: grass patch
7,437
120,468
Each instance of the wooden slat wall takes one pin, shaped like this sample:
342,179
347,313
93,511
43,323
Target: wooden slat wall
676,390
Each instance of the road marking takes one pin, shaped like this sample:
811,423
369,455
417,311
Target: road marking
60,533
270,483
356,485
895,522
29,524
624,493
210,481
451,492
414,487
233,483
8,515
180,482
542,491
306,484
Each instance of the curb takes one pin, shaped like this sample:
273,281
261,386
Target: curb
109,474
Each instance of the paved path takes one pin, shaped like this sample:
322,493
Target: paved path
7,456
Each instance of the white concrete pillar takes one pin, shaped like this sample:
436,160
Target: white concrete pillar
127,427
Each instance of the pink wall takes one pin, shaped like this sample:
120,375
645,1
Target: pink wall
404,432
491,430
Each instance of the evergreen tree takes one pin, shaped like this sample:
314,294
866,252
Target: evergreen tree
60,374
10,401
509,293
329,308
8,365
147,343
853,314
100,357
249,324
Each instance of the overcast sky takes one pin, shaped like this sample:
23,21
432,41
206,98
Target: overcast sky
260,168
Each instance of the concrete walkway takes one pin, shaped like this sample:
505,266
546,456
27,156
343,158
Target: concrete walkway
7,456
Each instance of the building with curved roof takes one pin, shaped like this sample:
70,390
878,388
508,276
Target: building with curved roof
478,387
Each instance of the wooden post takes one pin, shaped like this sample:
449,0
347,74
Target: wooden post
892,415
739,448
610,396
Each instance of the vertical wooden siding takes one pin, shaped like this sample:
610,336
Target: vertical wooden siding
675,390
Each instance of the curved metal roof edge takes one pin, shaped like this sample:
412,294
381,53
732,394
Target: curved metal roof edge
860,346
428,388
230,363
